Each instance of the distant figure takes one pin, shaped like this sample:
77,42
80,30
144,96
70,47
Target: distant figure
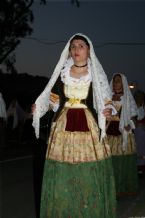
3,118
28,135
140,131
121,138
15,120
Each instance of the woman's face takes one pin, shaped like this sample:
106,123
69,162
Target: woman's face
117,84
79,51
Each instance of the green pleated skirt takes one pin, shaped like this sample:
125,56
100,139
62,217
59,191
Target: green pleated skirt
125,172
78,179
84,190
124,165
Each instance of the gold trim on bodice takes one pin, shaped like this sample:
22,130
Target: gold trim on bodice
76,94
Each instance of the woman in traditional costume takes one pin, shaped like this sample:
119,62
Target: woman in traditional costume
78,178
121,138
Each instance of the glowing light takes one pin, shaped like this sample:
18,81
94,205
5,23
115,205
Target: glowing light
131,86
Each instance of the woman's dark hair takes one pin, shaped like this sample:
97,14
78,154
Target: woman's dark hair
117,74
79,37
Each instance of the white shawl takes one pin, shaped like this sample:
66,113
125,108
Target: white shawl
129,108
101,89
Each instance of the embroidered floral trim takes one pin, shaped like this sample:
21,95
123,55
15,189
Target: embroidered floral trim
68,80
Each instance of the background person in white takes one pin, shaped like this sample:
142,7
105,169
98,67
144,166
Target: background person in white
3,118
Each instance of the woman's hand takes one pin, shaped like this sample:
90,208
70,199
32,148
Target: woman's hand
107,112
127,128
33,107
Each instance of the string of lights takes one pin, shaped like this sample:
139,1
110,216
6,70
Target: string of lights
95,45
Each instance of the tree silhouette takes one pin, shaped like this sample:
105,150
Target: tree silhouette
16,18
15,23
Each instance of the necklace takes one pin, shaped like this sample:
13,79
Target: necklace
81,65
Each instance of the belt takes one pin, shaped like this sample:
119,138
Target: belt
73,101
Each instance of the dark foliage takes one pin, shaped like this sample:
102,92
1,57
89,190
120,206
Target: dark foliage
15,23
24,87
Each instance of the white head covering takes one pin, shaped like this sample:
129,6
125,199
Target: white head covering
129,108
101,89
2,108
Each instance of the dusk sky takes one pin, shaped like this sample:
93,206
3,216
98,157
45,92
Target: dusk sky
103,22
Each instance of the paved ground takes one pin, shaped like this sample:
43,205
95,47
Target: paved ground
133,207
17,188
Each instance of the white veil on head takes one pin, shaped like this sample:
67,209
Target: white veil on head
129,107
101,89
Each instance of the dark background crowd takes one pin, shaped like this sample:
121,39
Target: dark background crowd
17,137
23,89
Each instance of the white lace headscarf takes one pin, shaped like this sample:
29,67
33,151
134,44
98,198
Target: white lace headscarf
101,88
129,108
